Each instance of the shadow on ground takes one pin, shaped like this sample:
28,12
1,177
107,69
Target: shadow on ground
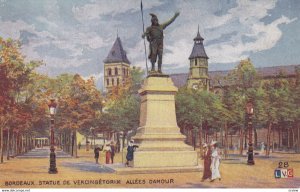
88,166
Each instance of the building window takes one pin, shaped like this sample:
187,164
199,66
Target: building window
112,82
118,81
124,71
127,73
116,71
195,62
107,82
109,71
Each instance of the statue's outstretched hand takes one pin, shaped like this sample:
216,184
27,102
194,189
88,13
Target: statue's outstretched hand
177,14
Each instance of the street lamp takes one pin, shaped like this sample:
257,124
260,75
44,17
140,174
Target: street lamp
249,110
52,109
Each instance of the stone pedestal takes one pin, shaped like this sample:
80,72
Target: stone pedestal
160,142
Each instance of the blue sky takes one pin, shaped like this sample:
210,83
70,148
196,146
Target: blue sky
75,36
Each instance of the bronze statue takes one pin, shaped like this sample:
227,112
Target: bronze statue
155,36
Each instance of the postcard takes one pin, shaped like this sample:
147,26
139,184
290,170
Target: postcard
99,94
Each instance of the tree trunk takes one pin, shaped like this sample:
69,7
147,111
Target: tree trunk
268,139
298,137
255,138
65,142
18,144
72,144
8,144
200,138
273,140
22,144
87,143
231,146
13,144
1,144
60,139
279,137
241,141
226,140
75,142
222,136
123,139
245,135
293,138
288,138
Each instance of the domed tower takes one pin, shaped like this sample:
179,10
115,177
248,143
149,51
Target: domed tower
116,66
198,75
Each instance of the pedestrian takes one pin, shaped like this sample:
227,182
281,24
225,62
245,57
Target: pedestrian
130,150
206,162
262,147
79,145
107,150
97,153
215,162
113,150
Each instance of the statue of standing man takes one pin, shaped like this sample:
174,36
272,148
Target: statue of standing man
155,36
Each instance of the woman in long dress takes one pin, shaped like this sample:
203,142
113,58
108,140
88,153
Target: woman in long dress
107,150
207,162
215,162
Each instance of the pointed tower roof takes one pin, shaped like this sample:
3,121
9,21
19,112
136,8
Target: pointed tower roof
198,49
117,53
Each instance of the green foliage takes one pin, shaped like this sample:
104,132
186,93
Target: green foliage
16,76
124,114
193,107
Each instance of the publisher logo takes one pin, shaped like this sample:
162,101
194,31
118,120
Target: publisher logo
283,171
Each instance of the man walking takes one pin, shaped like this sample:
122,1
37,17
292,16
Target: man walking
112,153
97,152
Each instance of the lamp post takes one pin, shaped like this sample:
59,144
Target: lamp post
52,108
249,110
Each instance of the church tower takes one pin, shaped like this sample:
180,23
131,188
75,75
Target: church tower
116,66
198,75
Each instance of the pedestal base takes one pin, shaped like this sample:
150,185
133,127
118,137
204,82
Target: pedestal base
165,159
156,170
161,145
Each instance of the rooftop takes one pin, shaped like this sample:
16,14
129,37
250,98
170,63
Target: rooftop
117,53
287,70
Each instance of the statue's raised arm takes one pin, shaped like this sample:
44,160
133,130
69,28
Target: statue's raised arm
165,24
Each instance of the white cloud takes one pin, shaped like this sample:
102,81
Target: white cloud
241,20
63,63
99,8
97,29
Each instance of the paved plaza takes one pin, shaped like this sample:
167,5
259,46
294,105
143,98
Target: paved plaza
31,171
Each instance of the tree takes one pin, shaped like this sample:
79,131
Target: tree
296,109
242,84
196,109
78,107
123,108
15,75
